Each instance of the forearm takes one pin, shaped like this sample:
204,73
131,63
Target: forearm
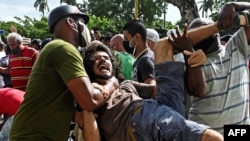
195,81
4,70
90,128
239,6
88,97
203,32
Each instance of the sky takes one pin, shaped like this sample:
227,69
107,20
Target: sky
21,8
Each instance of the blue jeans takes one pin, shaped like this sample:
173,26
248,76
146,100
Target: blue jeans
4,133
158,119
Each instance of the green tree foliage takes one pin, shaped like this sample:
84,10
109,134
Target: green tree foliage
27,27
111,15
149,10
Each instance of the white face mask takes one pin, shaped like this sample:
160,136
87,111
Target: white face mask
130,43
85,33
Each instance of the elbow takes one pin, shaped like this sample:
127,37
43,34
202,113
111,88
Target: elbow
199,92
92,106
199,95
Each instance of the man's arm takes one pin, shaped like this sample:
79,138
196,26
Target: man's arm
90,128
4,70
145,90
193,75
88,97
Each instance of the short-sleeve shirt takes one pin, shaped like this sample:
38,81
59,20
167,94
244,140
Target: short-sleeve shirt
143,67
48,105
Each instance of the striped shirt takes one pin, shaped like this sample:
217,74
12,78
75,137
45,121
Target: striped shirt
227,86
20,67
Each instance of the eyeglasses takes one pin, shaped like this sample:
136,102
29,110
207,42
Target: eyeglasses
99,57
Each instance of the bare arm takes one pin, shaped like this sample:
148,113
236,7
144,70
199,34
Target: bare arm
90,128
145,89
88,97
87,124
194,77
4,70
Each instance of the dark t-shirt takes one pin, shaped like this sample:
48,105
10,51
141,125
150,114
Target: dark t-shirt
114,116
143,67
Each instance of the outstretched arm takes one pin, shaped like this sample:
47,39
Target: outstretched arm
88,96
193,76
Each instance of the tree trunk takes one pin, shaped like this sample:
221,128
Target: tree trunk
188,9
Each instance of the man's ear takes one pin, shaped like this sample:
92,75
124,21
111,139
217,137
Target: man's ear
71,23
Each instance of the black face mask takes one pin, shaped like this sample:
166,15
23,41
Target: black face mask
16,51
126,46
206,44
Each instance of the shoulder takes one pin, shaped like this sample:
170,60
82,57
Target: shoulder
149,54
28,49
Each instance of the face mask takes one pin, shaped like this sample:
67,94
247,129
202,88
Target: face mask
127,47
206,44
130,43
85,34
16,51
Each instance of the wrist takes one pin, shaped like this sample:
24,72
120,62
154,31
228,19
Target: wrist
102,89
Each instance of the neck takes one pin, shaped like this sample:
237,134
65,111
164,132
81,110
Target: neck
139,49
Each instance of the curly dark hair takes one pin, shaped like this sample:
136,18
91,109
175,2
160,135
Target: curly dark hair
88,56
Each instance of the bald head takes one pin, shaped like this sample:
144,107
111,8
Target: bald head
199,22
116,42
209,44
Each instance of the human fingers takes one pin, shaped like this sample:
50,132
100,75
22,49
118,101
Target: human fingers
197,58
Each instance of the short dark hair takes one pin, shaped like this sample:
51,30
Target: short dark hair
134,27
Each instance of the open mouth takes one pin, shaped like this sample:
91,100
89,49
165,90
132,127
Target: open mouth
103,67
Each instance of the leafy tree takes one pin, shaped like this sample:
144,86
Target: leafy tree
41,5
188,9
110,16
125,9
30,28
